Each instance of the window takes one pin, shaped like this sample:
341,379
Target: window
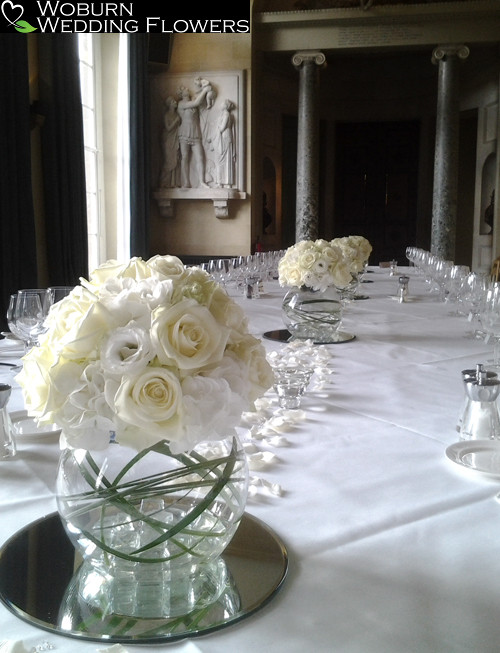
104,89
88,84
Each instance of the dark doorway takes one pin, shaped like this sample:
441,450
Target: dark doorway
376,184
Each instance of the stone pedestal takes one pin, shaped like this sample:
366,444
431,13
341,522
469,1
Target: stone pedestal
308,64
444,199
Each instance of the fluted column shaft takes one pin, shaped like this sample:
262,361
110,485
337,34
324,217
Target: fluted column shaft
444,198
306,218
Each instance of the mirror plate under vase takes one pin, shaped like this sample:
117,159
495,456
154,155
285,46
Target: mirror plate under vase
40,570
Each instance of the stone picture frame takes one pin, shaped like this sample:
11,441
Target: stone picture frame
206,123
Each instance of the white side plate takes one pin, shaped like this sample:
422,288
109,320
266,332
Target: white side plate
482,456
25,428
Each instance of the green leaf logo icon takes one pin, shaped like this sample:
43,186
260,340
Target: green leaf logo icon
24,27
13,14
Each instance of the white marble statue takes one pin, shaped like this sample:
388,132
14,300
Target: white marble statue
225,146
170,145
190,135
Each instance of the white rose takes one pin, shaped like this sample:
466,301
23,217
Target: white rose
340,273
109,269
126,350
226,311
166,266
77,324
126,306
195,284
288,275
250,351
45,381
308,259
188,335
152,404
136,269
260,372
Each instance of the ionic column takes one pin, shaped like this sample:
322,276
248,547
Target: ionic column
308,64
444,198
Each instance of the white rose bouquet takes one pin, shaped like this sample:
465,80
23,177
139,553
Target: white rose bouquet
316,264
356,251
150,350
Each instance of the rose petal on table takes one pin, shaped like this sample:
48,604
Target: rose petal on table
250,448
290,416
259,484
252,419
278,441
260,460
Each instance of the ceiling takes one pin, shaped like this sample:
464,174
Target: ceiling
294,5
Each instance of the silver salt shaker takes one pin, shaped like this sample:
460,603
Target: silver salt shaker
403,288
481,418
467,376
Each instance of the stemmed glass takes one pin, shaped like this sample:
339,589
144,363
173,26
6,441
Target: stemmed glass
439,274
32,307
489,313
454,279
58,292
217,268
11,318
471,296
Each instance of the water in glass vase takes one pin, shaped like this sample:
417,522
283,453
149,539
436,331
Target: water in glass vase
313,314
151,526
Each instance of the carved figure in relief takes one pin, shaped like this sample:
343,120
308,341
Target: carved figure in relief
190,135
225,146
170,145
210,94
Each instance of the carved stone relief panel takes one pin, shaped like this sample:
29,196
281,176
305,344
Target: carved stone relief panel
198,138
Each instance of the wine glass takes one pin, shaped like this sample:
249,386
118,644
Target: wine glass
471,295
11,318
441,269
32,307
489,313
216,270
58,292
454,278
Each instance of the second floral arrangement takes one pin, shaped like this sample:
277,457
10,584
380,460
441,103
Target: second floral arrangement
320,264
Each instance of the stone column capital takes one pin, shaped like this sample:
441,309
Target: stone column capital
308,56
441,52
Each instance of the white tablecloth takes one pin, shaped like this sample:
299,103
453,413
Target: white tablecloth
393,548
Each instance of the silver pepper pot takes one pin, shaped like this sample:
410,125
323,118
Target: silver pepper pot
403,288
481,418
7,442
467,376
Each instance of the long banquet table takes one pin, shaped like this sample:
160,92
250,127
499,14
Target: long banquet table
392,547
